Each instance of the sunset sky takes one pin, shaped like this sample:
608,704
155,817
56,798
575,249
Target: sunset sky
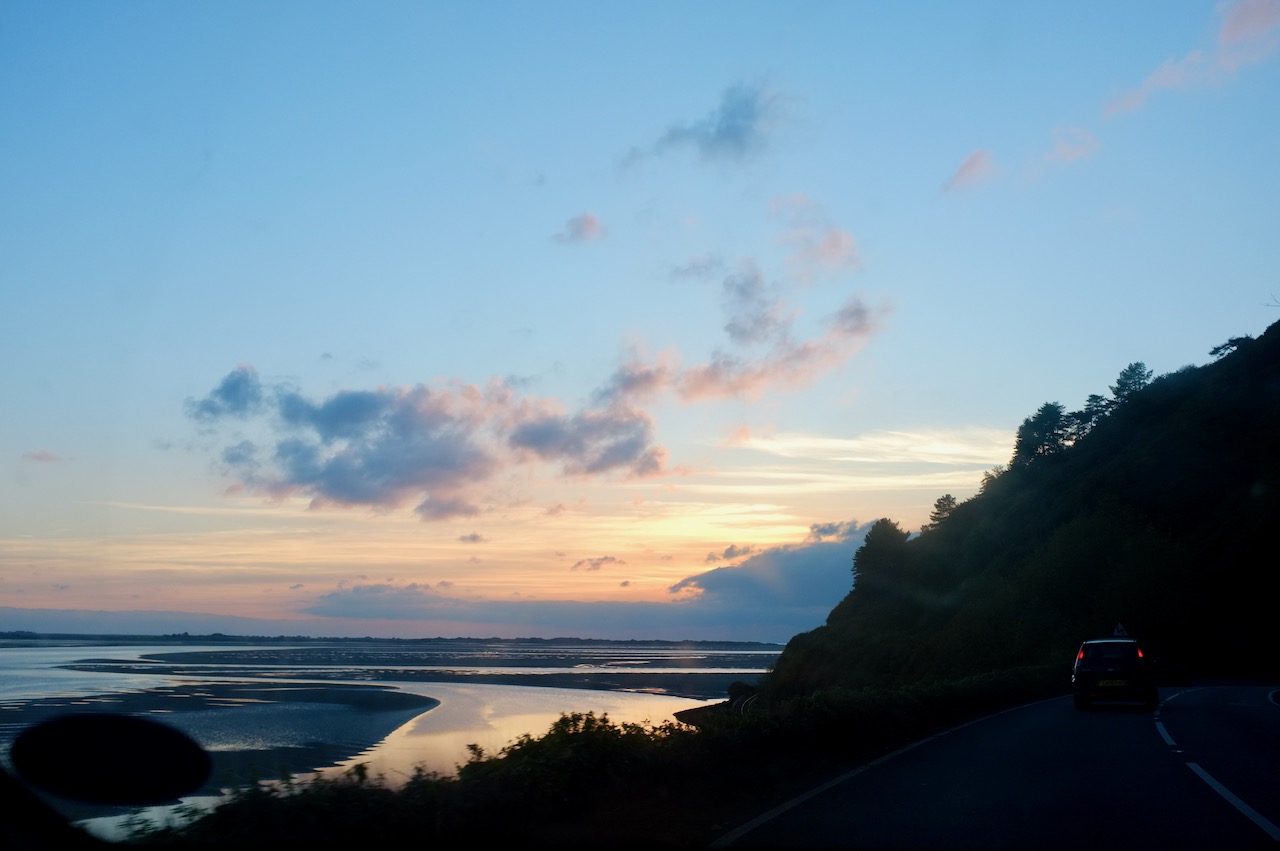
616,320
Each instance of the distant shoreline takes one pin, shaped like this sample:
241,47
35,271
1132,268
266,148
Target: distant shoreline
16,637
694,685
698,670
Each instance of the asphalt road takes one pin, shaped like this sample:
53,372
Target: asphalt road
1201,772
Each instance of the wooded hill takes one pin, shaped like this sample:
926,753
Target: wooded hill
1155,508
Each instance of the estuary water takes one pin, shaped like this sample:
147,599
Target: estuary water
271,710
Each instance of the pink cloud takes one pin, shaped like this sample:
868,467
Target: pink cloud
640,380
976,168
796,207
832,250
788,364
1250,32
740,436
41,457
584,228
1071,144
775,360
1172,74
817,245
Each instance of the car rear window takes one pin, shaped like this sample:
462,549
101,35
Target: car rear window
1110,651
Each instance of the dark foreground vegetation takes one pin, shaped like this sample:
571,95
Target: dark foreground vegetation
1153,507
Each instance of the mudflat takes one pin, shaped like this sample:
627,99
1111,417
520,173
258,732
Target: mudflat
251,730
255,725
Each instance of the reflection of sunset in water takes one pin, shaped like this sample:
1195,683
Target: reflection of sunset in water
494,716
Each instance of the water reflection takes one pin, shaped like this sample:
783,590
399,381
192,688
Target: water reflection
492,716
436,741
244,706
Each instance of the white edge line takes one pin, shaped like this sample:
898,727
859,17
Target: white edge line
733,835
1164,734
1253,815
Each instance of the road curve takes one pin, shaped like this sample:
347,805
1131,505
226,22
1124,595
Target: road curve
1201,772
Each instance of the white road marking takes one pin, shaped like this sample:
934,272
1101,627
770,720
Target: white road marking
1253,815
733,835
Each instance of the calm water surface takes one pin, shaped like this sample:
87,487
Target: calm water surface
436,740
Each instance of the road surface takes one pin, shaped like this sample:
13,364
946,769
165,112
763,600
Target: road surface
1201,772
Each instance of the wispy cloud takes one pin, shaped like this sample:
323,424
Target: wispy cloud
1071,144
779,361
733,552
977,168
597,563
763,350
952,447
788,363
411,601
702,266
738,128
816,245
1249,33
41,456
755,315
586,227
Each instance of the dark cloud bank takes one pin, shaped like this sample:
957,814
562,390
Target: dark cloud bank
771,596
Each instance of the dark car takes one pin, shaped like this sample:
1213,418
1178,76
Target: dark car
1113,669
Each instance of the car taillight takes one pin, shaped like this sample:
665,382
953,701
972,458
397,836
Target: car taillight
1080,655
1139,652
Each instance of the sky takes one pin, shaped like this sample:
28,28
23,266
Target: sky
602,320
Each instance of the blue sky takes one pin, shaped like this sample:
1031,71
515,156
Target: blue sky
610,320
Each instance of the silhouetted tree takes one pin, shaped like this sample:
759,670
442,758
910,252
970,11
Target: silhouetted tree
1132,378
1043,433
990,477
1082,422
941,508
1230,346
882,549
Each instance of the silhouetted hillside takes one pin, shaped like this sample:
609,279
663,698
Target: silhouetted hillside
1154,508
1151,507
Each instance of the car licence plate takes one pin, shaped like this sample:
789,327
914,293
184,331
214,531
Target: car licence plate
1112,683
